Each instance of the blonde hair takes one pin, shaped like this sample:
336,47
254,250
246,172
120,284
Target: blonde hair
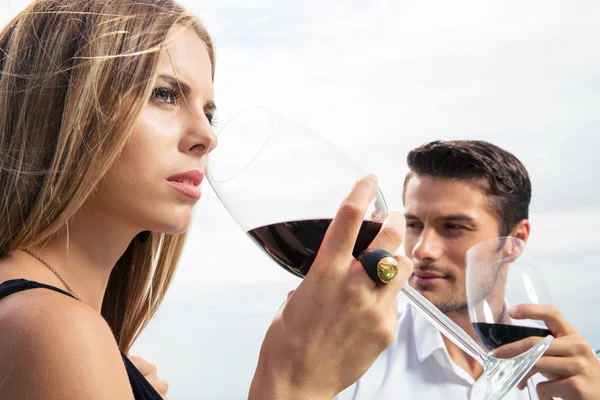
74,76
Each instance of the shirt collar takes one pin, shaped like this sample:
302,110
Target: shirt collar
429,339
429,342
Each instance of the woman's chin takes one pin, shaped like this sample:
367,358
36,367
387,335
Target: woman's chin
172,228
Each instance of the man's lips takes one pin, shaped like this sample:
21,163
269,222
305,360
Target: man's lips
428,274
427,277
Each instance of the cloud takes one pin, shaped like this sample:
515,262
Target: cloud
378,79
10,8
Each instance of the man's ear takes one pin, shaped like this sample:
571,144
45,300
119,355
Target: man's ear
522,230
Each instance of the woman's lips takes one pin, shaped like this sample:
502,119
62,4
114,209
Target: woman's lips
187,183
187,189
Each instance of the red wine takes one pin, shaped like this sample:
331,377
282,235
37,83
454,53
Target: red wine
492,336
294,244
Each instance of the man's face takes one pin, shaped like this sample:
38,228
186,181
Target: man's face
444,218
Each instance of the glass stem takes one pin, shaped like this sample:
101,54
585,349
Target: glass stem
531,388
445,325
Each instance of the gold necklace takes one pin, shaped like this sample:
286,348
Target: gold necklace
69,289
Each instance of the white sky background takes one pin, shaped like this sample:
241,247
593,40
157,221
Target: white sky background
378,79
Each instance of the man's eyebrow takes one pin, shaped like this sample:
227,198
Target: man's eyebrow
176,83
452,217
457,217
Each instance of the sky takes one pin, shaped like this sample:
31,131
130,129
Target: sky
378,79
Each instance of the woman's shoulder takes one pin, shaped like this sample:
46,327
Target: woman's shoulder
52,342
42,310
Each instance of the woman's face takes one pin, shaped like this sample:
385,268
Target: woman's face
154,184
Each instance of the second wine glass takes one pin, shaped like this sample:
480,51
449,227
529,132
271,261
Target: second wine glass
501,272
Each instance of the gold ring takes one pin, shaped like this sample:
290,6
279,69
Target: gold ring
380,265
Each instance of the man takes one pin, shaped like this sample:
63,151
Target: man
456,195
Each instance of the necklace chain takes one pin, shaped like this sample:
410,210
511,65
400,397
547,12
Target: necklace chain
40,259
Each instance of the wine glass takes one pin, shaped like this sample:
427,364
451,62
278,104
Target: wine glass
283,183
501,273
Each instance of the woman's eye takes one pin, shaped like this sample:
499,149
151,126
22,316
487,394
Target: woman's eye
165,95
212,119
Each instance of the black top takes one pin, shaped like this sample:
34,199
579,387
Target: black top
142,389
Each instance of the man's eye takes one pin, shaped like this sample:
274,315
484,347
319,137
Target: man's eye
413,225
453,227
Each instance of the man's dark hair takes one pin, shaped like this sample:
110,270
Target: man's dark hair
508,183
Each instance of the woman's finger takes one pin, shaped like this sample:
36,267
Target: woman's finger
341,234
391,234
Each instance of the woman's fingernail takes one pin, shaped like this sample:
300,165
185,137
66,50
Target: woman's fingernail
372,177
513,311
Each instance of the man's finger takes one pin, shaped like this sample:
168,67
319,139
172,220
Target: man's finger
555,321
560,388
555,367
561,366
523,384
511,350
561,347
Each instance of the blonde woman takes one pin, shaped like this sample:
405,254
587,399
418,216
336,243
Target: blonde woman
106,109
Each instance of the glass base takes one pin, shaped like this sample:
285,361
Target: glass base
504,374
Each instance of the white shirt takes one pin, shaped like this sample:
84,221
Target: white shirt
417,366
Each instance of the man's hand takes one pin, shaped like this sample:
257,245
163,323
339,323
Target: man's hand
570,364
149,371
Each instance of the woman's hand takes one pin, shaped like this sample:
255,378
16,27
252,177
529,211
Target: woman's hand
150,373
332,328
